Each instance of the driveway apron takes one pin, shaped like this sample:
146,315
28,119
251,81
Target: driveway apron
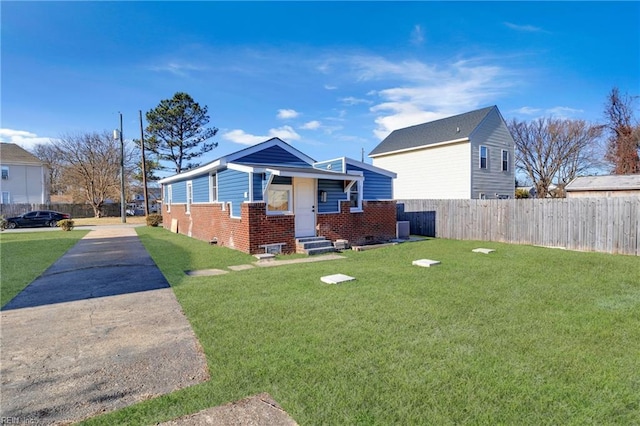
99,330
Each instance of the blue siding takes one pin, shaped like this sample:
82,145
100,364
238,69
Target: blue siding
335,193
333,165
274,155
179,192
201,189
257,186
376,186
232,185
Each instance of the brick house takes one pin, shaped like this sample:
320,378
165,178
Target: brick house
272,194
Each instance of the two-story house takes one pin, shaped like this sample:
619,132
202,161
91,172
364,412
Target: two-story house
23,176
466,156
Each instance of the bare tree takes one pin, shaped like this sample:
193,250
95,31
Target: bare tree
624,134
49,155
554,151
91,167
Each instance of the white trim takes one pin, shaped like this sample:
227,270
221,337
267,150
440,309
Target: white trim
502,160
189,196
369,167
213,177
415,148
169,197
213,166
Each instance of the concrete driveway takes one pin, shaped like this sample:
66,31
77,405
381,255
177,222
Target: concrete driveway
99,330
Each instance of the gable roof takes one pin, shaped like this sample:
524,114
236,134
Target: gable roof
241,156
12,153
455,128
604,183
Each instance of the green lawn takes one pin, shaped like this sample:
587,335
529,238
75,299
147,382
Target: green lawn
525,335
24,256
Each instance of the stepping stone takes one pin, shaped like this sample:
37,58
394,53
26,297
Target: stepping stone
425,263
241,267
483,250
264,256
336,279
206,272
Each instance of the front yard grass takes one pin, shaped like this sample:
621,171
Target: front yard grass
24,256
525,335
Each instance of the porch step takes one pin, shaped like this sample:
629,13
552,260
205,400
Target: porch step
314,245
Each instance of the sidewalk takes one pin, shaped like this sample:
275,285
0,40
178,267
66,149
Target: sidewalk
99,330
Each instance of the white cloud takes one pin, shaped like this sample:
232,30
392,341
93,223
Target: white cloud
285,114
564,112
286,133
181,69
430,92
311,125
527,110
524,28
330,87
23,138
350,100
417,35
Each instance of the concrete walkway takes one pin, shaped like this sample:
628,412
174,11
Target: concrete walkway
98,331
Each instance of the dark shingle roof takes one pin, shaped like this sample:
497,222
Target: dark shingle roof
446,129
12,153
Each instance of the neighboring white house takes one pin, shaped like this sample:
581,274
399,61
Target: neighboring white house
466,156
23,176
604,186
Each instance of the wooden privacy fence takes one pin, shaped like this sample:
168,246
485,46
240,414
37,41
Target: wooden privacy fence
75,210
609,225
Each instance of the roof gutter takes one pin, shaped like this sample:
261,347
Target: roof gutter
415,148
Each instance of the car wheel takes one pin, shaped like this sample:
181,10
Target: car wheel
53,224
12,225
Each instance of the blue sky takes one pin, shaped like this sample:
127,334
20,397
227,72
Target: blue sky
330,78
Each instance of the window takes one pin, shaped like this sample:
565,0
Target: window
189,195
505,160
5,172
355,196
484,153
213,187
279,199
169,199
5,198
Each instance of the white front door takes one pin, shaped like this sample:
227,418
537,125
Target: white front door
304,202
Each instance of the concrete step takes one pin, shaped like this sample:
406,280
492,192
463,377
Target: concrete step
314,245
309,239
320,250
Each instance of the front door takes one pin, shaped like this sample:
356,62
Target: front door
304,202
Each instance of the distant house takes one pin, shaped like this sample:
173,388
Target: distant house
23,176
465,156
271,194
604,186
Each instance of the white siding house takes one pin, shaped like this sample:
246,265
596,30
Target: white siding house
23,176
465,156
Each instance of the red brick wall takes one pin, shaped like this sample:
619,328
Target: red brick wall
269,229
376,223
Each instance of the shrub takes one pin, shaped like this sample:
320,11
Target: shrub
3,223
154,220
66,224
522,193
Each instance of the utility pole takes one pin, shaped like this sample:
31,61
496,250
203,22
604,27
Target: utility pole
123,198
144,170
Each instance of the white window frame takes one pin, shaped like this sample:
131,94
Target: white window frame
503,160
213,187
486,157
278,187
169,197
5,176
189,196
358,185
8,197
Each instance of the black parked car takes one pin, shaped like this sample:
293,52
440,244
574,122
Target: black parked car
37,218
